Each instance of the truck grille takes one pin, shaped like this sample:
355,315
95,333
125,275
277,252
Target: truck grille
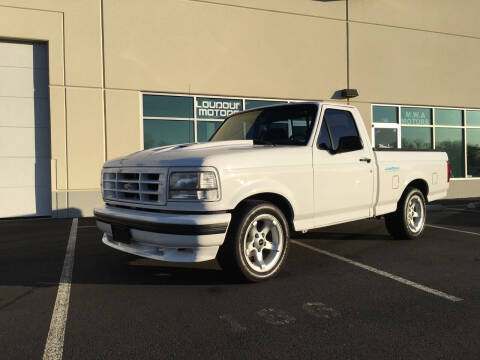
141,186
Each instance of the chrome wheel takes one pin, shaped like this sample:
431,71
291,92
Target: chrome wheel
415,214
263,243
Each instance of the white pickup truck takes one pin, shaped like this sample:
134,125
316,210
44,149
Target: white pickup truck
264,174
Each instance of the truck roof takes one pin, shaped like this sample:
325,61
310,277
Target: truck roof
319,103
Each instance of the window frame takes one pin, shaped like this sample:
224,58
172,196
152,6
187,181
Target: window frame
433,127
321,120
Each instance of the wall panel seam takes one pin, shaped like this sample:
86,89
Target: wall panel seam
27,8
102,39
413,29
347,24
266,10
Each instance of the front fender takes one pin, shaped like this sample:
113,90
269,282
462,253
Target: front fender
256,187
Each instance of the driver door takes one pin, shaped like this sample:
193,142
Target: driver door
343,178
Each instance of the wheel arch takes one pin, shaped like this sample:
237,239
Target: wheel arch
276,199
419,184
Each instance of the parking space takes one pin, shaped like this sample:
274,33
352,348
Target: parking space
122,306
31,258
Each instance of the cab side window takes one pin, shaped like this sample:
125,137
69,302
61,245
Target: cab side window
324,142
339,124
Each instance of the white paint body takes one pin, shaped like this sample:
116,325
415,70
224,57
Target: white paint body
322,188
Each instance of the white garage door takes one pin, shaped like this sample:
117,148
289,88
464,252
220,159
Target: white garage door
24,130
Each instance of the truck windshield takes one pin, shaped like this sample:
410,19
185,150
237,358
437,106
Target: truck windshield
279,125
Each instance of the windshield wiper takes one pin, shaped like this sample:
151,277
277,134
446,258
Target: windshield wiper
262,142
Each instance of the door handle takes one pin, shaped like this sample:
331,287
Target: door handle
367,160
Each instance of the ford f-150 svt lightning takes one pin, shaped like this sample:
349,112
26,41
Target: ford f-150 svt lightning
264,174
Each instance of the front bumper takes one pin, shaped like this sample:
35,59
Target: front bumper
165,236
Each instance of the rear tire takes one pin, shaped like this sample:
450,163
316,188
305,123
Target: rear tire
408,221
256,244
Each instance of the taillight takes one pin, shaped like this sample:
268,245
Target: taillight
448,171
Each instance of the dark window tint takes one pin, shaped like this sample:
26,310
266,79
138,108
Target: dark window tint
340,123
323,138
279,125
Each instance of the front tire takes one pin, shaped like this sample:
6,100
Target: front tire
408,222
257,242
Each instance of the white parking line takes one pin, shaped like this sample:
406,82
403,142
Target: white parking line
446,228
380,272
56,334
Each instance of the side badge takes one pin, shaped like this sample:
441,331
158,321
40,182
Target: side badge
392,168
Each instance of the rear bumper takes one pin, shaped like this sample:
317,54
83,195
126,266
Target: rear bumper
165,236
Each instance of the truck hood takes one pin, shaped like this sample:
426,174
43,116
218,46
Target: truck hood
220,154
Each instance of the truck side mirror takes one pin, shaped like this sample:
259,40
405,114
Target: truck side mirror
323,146
349,143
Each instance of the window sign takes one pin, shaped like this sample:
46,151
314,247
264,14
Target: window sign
416,116
217,108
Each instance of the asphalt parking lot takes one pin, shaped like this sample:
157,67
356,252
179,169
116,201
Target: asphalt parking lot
346,292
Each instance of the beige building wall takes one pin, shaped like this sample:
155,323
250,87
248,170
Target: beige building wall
103,54
222,50
416,53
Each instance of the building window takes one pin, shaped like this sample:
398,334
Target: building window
385,114
205,129
168,106
251,104
416,116
386,138
165,132
448,117
414,137
451,141
473,117
455,131
176,119
473,152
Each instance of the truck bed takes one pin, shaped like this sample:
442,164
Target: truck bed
396,168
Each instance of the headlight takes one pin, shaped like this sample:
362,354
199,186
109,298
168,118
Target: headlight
201,185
